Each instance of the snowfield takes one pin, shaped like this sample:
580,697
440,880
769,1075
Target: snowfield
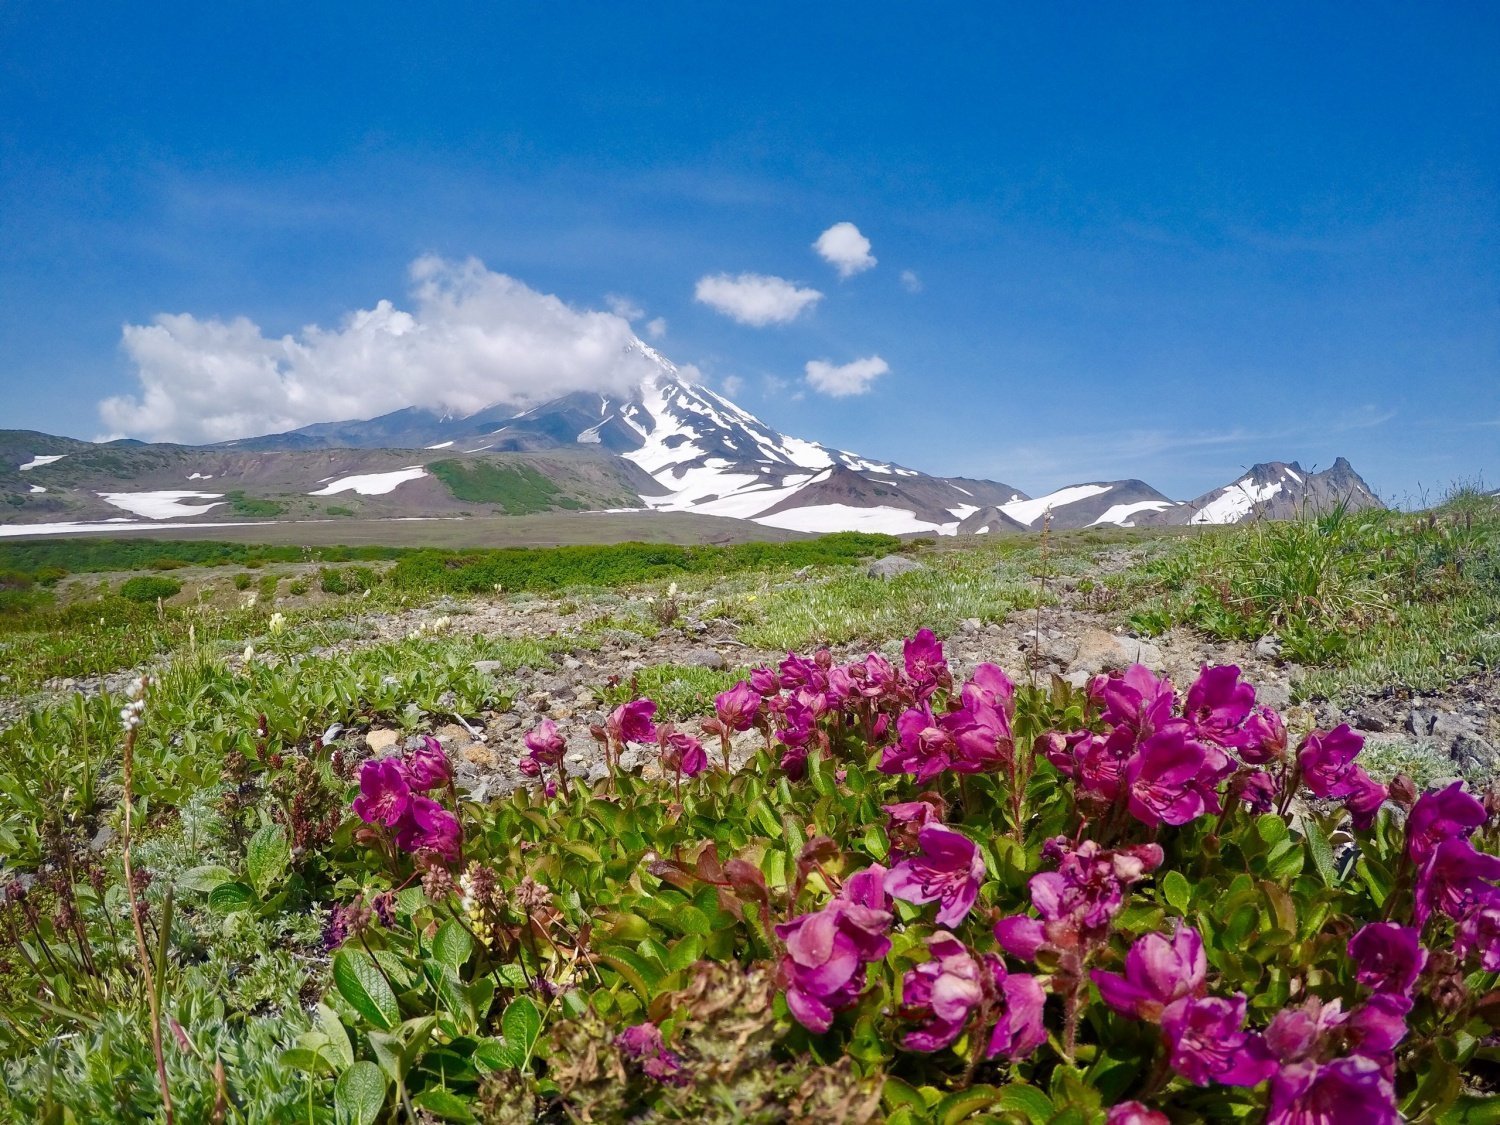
372,484
1235,502
162,505
38,462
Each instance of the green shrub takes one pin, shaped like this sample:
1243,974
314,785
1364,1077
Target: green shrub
168,564
346,580
148,588
518,489
259,506
298,586
242,581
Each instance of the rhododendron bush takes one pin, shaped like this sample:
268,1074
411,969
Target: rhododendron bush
922,897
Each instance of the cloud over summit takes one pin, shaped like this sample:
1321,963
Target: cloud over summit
473,337
755,299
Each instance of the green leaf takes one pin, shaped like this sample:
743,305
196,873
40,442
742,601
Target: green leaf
494,1054
227,898
522,1024
205,879
896,1093
1321,852
964,1104
1271,829
1028,1100
452,945
267,857
1177,891
338,1048
359,1095
443,1104
359,982
305,1059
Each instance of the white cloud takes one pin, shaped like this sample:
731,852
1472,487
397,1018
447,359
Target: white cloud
624,306
473,338
840,381
731,385
911,281
844,248
656,328
753,298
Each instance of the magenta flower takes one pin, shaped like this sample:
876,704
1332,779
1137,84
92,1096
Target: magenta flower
631,722
826,950
642,1043
383,792
1208,1042
1388,957
948,869
738,707
925,666
799,671
1354,1089
1446,814
1019,1030
1326,758
1479,932
1159,971
1136,699
942,992
1264,738
1455,880
906,820
1134,1113
991,686
1364,798
682,753
1088,887
873,676
427,826
1218,703
546,744
427,767
1160,777
923,748
763,682
1256,788
1375,1028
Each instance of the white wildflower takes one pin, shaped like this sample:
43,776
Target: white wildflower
277,624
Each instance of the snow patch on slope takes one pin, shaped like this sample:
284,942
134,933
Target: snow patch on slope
372,484
1028,511
38,462
1120,513
1235,502
163,505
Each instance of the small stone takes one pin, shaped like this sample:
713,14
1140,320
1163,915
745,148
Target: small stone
381,739
890,566
1474,755
102,838
1420,721
705,658
1078,680
970,625
478,754
1273,693
488,667
1371,721
572,663
1268,647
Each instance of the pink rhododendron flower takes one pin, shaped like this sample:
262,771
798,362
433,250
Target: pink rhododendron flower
945,991
1264,738
948,870
1456,879
1158,972
1364,798
925,666
907,819
1444,814
427,826
1160,777
546,744
992,687
763,682
874,676
643,1044
1134,1113
631,722
942,992
1479,932
1136,699
1388,957
1208,1042
1218,703
383,792
682,753
1326,758
1257,788
1078,899
427,767
1354,1089
826,950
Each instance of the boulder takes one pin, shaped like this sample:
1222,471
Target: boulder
890,566
1099,651
705,658
381,739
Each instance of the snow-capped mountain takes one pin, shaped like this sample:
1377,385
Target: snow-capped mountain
671,445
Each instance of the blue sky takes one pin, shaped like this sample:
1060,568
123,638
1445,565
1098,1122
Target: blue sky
1162,241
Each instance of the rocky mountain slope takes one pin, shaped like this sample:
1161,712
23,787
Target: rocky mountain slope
672,445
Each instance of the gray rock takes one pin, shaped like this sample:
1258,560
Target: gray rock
102,838
704,658
890,566
1273,693
1098,651
1421,721
1268,647
1474,755
1369,720
1078,679
970,625
488,667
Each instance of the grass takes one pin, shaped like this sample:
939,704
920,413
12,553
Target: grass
518,489
1363,599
